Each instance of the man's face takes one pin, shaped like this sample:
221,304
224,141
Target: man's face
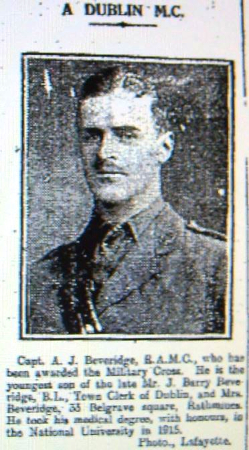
119,146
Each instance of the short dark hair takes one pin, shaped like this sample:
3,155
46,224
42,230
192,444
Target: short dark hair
110,78
106,80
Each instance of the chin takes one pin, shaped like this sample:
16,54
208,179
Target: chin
111,196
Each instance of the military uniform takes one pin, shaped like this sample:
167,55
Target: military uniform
154,274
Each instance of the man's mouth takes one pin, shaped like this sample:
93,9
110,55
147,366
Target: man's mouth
110,172
107,175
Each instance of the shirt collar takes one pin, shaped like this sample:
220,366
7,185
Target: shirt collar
139,222
136,224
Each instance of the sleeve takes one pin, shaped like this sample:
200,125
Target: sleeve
218,293
44,312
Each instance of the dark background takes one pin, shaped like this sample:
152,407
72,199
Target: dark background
194,181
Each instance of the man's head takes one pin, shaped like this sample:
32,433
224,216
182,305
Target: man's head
122,145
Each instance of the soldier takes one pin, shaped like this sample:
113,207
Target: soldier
138,267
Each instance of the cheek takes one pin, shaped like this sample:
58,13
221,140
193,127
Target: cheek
143,158
136,152
88,154
133,161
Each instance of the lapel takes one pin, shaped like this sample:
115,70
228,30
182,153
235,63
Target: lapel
141,262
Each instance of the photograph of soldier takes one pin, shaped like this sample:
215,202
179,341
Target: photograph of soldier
138,267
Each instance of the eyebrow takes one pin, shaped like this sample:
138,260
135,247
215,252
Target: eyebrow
92,128
118,127
126,127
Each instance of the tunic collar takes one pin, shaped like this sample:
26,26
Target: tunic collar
138,223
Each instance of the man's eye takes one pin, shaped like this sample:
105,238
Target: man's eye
126,133
92,135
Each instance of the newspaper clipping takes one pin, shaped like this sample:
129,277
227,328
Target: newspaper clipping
125,225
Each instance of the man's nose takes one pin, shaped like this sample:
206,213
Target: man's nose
107,147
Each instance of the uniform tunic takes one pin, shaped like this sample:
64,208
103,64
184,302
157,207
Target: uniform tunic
152,274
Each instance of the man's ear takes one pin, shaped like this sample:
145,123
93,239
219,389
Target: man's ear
165,146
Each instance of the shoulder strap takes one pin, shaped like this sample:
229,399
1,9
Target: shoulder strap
193,226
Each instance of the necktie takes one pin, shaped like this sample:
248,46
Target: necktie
109,253
112,243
